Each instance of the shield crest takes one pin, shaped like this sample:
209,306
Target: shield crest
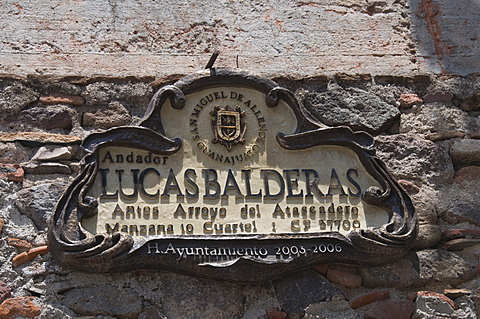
228,126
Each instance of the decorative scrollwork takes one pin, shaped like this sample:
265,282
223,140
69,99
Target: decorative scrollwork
77,248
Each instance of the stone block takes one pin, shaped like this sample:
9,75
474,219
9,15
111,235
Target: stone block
13,153
295,292
53,153
390,309
440,266
410,157
337,308
472,103
37,139
459,201
438,97
48,118
104,300
151,313
351,106
47,168
439,118
399,275
15,96
38,202
465,152
114,115
428,236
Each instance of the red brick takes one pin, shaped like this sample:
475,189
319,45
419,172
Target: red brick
412,295
439,296
460,243
59,98
467,174
410,187
461,233
13,172
5,291
21,306
19,243
343,278
273,313
321,269
456,293
409,100
369,298
30,255
442,136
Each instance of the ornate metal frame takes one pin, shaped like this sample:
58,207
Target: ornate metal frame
76,248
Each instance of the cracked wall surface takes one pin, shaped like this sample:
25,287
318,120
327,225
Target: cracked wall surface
144,37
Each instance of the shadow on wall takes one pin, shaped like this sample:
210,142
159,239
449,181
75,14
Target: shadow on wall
447,35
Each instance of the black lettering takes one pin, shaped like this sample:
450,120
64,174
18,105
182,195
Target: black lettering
134,195
197,109
148,158
231,185
111,230
292,182
191,183
171,185
104,186
354,183
335,184
211,182
142,186
311,184
269,172
246,174
109,157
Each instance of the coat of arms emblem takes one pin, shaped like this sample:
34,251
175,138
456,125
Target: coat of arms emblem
228,126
